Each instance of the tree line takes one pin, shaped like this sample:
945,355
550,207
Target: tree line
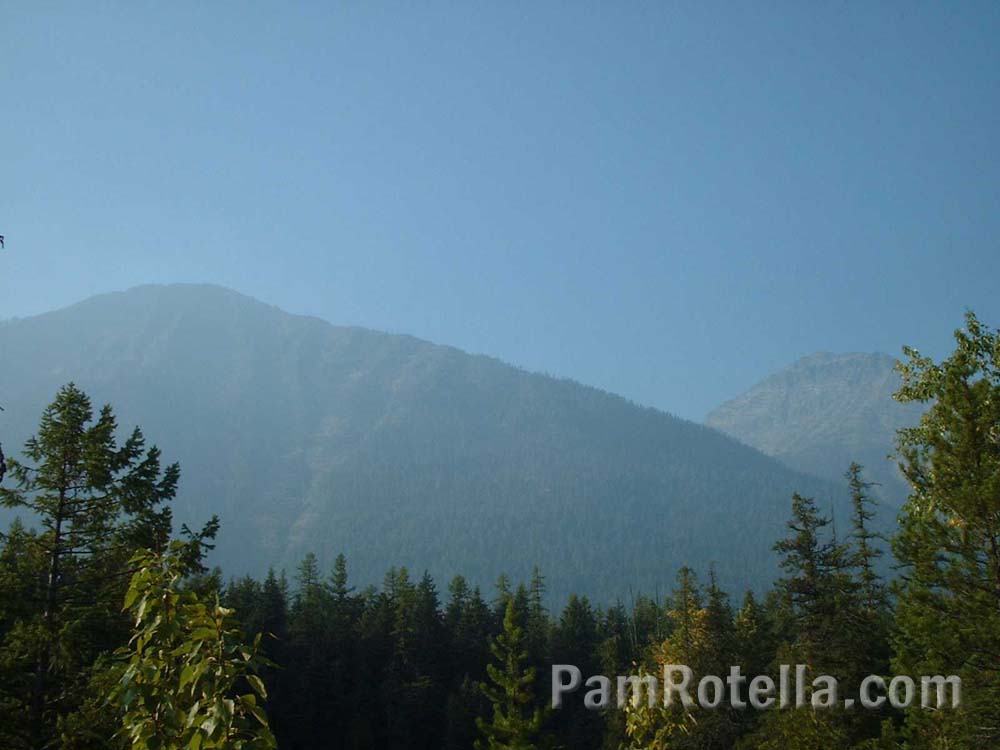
113,634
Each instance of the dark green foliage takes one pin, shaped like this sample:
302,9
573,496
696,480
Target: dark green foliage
949,541
829,612
813,564
867,551
97,502
189,681
516,721
396,668
576,639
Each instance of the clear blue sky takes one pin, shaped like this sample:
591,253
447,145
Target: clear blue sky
668,200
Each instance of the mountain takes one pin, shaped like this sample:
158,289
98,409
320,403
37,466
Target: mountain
304,436
821,413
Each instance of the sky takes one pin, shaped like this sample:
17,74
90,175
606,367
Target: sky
668,200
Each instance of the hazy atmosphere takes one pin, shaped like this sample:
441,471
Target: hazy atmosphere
500,376
668,201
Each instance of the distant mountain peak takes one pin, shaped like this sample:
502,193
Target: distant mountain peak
823,411
825,357
178,293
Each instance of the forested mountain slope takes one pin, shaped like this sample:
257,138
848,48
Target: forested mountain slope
306,436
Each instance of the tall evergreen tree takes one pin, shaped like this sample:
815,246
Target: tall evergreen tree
97,502
754,636
948,543
704,639
469,623
866,550
660,727
576,641
813,565
503,595
306,689
516,722
537,622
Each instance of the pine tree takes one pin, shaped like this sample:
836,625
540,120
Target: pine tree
503,595
616,657
813,565
576,640
719,727
338,580
272,622
948,615
754,636
538,626
719,626
306,689
22,587
97,503
425,684
826,614
797,729
274,607
866,550
307,580
458,593
864,613
515,724
660,727
468,620
472,637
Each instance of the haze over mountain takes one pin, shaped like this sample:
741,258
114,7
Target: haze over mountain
822,412
306,436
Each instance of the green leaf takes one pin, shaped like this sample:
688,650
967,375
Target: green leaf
130,597
258,685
